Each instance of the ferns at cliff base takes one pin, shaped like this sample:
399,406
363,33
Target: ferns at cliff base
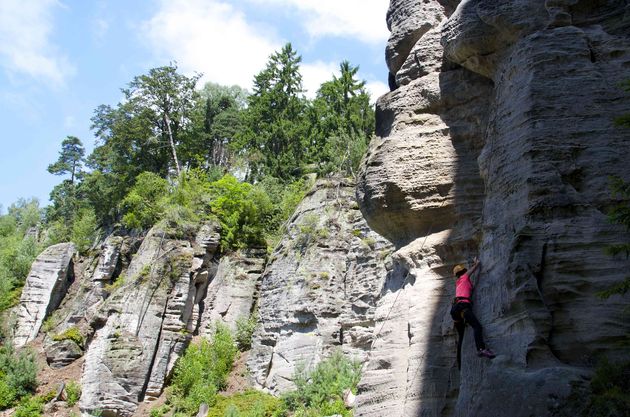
202,372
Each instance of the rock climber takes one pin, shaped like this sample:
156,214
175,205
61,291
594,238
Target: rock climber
462,313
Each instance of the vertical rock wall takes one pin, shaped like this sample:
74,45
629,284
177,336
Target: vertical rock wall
499,139
320,287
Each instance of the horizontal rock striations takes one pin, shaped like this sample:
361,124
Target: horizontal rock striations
499,139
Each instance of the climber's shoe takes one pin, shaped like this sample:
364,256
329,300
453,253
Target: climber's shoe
486,353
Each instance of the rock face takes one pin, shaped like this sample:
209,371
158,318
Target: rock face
231,294
499,140
77,310
320,288
45,287
145,325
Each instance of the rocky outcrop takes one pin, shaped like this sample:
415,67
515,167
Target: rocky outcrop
320,288
45,287
231,293
144,326
498,140
94,273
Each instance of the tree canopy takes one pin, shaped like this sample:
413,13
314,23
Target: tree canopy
166,149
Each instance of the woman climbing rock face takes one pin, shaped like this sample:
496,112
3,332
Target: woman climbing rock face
462,313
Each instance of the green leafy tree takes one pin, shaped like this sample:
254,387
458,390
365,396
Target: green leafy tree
145,203
168,99
216,120
142,133
274,125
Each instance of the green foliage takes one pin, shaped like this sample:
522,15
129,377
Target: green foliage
118,283
73,391
145,203
245,327
17,250
341,123
84,229
250,403
203,371
70,158
608,394
245,212
274,124
18,372
160,411
72,333
319,393
30,407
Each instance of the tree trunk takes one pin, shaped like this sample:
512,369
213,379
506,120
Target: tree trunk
167,121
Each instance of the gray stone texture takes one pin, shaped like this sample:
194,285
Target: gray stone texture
499,140
320,287
231,293
146,324
46,285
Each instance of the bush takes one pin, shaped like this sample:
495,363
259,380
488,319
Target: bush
73,333
203,371
73,390
17,254
245,327
18,375
250,403
145,203
243,210
610,388
30,407
84,230
320,392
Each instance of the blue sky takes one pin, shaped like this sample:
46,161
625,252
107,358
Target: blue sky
60,59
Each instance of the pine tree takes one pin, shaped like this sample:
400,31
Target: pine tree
70,158
274,125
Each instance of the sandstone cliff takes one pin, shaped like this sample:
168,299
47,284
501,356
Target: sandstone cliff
320,288
498,140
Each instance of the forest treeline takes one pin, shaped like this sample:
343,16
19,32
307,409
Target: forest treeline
175,152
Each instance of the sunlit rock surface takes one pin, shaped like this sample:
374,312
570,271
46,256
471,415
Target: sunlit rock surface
499,140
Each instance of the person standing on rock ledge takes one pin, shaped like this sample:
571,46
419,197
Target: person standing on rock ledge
462,313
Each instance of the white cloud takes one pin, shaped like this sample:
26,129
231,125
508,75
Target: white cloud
25,46
211,37
363,20
376,89
314,74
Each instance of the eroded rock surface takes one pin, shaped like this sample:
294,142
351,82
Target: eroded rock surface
45,288
231,293
499,140
145,325
320,287
93,274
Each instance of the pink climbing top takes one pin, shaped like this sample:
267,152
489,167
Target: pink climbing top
463,287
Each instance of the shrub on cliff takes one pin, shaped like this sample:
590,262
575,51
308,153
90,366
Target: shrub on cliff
202,371
320,392
18,375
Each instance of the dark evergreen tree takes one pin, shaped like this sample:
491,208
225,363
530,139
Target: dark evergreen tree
70,158
274,125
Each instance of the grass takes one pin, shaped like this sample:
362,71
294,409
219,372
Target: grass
73,333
